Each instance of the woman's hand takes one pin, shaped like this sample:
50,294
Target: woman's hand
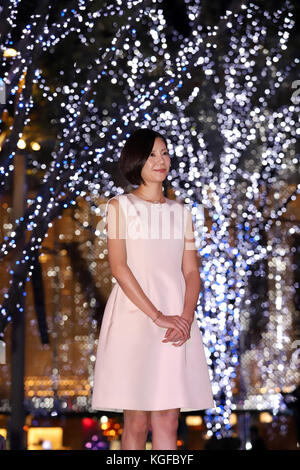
174,322
173,336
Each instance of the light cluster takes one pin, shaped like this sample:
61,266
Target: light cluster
213,94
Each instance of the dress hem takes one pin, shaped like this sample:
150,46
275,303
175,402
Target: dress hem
182,409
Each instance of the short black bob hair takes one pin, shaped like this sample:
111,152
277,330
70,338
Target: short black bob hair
135,152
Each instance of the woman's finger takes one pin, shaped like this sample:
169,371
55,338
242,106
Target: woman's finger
181,327
180,343
186,325
173,336
176,337
180,332
185,330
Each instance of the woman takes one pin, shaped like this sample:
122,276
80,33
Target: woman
150,360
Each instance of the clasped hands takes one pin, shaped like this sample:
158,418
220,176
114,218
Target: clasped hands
173,335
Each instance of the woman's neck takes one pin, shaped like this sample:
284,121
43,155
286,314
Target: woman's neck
150,193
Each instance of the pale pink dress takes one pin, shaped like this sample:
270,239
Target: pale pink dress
134,370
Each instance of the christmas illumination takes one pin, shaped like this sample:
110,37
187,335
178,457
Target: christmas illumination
223,97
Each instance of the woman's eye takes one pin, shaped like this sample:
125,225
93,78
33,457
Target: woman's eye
152,154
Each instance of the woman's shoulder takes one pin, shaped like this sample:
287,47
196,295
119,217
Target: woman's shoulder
116,199
115,202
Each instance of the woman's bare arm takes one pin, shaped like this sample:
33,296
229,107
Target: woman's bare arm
116,244
192,279
190,270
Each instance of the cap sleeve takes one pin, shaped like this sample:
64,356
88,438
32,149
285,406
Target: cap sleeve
191,241
115,221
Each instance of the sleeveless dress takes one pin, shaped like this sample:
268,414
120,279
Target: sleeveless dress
134,369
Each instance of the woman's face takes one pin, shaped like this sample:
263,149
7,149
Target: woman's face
158,159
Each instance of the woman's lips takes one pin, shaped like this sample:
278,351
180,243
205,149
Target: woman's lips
162,170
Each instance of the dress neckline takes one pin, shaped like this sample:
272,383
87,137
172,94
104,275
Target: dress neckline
158,204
